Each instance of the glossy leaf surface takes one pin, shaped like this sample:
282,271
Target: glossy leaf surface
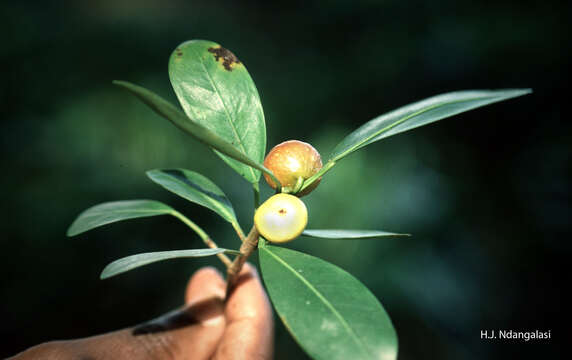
196,188
330,313
134,261
418,114
349,234
216,91
111,212
199,132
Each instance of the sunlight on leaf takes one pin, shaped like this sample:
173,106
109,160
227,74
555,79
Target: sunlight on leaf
216,91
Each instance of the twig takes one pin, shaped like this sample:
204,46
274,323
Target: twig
246,249
203,235
225,259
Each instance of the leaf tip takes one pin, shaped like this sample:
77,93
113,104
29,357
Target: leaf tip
523,91
73,229
150,173
106,273
518,92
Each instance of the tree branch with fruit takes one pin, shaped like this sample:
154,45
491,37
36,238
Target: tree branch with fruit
315,299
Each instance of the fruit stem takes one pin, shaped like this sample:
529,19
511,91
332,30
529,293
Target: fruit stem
330,164
298,185
203,235
246,249
256,191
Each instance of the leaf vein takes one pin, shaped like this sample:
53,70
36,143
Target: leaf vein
400,121
232,125
320,296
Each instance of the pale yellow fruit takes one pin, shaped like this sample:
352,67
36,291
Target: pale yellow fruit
281,218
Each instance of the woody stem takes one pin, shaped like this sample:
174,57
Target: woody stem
246,249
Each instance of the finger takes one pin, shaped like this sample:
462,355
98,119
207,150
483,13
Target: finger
155,341
249,323
195,331
205,295
192,332
205,283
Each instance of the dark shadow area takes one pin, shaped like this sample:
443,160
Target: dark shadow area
486,194
242,278
180,318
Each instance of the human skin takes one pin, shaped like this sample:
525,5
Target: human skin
207,327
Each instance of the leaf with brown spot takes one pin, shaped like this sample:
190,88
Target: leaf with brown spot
216,91
227,58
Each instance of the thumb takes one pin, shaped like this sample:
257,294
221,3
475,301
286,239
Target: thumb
249,331
192,332
195,330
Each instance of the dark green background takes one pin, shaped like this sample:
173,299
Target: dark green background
485,194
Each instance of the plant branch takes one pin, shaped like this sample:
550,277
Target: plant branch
199,132
225,259
256,190
204,236
246,249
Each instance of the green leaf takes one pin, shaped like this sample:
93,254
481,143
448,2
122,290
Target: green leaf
216,91
350,234
134,261
196,188
329,312
111,212
419,114
199,132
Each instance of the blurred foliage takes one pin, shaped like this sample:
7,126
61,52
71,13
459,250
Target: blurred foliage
486,194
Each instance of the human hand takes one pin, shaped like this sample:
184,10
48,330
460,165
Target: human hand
207,327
